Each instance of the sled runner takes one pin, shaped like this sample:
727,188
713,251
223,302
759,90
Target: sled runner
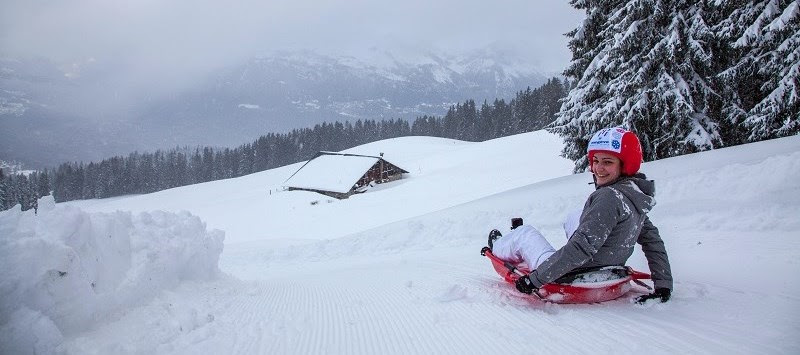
584,286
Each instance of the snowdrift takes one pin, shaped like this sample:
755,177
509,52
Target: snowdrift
65,269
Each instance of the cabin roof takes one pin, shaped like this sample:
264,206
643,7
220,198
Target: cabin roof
335,172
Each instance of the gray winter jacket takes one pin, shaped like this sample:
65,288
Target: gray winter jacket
613,220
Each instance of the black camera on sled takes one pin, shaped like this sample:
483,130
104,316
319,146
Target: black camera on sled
516,222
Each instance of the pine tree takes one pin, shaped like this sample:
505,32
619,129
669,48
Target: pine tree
501,118
11,195
22,192
575,121
3,191
43,187
31,195
549,102
767,33
642,65
739,96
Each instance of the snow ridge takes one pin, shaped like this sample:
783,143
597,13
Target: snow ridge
66,269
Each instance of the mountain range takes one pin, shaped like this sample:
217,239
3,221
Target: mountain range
52,113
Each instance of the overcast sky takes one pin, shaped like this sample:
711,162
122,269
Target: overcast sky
175,37
216,30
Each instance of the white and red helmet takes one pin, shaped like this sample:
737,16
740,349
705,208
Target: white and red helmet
620,143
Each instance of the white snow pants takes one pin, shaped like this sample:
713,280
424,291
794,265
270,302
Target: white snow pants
526,244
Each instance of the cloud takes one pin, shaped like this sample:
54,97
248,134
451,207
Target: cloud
176,40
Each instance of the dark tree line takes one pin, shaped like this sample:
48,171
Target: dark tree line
23,189
139,173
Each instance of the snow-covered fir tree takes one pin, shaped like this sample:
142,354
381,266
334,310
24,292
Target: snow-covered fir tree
739,95
762,82
587,73
643,65
3,192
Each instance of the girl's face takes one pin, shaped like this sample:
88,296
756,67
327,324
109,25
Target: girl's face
606,168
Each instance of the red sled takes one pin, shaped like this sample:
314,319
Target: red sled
588,286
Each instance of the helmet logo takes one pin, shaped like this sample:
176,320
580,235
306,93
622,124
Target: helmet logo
606,139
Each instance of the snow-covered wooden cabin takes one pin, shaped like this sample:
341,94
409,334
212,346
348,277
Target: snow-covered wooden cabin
340,175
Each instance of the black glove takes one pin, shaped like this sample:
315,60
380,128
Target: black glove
516,222
493,235
525,285
661,293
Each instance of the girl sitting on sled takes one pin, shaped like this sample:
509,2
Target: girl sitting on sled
613,220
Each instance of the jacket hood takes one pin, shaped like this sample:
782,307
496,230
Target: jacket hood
639,190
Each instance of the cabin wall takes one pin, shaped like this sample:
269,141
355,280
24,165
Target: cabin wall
390,173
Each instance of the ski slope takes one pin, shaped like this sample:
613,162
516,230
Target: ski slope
397,270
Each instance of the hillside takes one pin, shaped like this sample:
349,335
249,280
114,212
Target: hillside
397,269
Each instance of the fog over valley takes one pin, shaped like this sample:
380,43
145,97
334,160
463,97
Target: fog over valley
81,81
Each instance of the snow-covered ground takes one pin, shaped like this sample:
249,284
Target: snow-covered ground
397,269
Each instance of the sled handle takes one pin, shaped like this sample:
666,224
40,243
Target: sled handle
513,269
487,252
638,275
636,281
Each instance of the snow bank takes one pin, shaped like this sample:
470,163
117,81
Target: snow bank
65,269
